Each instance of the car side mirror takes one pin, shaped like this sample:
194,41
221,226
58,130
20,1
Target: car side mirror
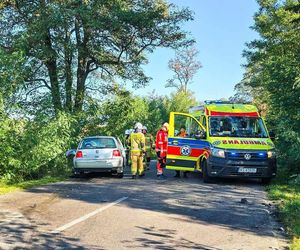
200,135
70,153
272,135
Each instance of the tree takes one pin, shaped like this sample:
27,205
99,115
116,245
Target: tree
273,73
180,102
184,66
65,42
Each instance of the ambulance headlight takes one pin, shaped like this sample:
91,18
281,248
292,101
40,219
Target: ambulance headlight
217,152
271,154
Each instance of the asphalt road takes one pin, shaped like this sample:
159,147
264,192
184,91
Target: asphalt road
102,212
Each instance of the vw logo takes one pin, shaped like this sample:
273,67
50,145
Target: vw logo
247,157
185,150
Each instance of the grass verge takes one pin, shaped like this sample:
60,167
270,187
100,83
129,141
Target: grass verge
288,196
8,188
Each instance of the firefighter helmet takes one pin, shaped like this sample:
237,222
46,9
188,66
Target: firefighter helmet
166,125
138,125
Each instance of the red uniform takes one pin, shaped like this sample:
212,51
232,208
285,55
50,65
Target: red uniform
161,150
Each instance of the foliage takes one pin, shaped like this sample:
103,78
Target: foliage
181,101
31,149
273,74
184,66
62,49
289,212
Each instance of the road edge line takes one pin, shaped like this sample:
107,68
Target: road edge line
87,216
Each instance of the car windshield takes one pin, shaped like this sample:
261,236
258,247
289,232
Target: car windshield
91,143
237,126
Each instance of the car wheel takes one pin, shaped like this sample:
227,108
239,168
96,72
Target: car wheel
120,175
206,177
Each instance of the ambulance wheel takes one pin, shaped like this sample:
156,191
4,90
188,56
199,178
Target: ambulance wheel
206,177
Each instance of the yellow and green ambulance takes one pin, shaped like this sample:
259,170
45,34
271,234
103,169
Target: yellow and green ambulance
222,140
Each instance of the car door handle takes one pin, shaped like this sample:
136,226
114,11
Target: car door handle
175,142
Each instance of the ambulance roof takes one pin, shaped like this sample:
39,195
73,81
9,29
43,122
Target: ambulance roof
225,109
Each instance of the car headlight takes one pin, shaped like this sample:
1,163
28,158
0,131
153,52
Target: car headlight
218,152
271,154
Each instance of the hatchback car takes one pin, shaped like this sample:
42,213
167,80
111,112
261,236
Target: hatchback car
99,154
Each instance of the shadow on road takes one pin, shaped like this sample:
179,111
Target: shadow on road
188,200
17,232
164,239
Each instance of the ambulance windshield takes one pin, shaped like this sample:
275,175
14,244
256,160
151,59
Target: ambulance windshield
237,126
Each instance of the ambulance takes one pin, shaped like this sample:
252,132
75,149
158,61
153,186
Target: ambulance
221,139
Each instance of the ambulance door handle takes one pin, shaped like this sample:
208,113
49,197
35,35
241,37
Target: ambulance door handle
175,142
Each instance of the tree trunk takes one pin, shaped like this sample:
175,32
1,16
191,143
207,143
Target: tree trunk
55,93
51,64
68,73
80,90
82,64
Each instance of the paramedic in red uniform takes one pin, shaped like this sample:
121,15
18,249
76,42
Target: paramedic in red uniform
161,148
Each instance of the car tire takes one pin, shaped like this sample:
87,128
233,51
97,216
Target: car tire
120,175
266,180
76,174
205,176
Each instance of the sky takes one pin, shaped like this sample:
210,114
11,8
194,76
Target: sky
221,28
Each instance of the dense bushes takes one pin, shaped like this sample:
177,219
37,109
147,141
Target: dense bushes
272,75
34,148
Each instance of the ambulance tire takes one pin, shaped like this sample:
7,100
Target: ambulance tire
206,177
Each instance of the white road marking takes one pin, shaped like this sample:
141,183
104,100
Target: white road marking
85,217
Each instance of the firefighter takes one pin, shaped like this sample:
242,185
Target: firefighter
137,149
161,148
149,143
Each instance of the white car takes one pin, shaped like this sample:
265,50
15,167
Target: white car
99,154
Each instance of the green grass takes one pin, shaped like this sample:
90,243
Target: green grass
8,188
288,196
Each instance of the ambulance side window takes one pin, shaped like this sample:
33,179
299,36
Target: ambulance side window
185,126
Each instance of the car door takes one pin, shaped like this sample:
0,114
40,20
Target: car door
185,153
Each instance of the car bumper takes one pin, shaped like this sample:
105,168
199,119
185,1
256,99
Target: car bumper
111,165
222,167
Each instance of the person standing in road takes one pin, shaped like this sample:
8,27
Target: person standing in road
161,148
182,133
137,149
149,143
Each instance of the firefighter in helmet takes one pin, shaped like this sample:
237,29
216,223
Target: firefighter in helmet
137,149
161,148
149,144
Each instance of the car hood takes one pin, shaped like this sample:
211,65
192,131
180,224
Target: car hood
242,143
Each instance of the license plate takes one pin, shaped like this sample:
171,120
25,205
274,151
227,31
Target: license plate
247,170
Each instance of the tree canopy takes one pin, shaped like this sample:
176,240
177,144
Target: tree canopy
65,50
272,75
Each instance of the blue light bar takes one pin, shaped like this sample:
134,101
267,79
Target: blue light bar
207,102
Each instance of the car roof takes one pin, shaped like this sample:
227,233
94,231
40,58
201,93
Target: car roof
99,136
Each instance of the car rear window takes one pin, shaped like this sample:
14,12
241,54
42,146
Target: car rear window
98,143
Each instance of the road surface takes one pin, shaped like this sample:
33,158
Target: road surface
101,212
